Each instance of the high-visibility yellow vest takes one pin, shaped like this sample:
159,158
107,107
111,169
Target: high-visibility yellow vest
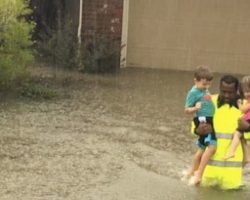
224,174
247,136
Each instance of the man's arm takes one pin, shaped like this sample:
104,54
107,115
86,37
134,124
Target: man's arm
243,124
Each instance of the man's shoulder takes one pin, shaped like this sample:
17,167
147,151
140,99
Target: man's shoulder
214,97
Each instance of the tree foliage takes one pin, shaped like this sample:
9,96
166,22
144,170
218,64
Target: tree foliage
15,41
55,33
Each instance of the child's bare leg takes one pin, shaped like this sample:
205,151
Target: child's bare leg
195,162
204,160
234,144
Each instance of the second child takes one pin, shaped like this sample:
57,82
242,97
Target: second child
245,109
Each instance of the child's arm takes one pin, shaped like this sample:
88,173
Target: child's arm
243,107
191,110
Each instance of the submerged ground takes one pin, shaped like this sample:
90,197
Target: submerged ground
108,137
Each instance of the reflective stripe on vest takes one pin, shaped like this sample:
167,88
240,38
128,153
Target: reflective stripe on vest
220,163
224,136
229,136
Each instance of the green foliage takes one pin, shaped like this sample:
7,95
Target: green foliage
38,91
58,46
15,40
102,54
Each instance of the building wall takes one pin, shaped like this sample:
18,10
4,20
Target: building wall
181,34
102,17
101,34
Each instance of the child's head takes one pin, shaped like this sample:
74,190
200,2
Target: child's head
245,86
203,77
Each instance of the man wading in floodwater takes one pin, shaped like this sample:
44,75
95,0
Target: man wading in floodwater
226,174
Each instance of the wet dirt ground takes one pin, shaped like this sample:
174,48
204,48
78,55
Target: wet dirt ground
110,137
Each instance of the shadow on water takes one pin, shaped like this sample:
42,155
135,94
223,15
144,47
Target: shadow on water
110,127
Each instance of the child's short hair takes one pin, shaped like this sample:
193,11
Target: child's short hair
245,84
203,72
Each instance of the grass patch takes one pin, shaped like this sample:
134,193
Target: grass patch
38,91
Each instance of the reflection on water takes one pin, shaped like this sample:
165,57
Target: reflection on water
82,146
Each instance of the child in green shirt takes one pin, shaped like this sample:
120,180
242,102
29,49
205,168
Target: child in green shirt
199,103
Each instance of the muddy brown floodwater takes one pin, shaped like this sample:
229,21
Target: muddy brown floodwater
112,137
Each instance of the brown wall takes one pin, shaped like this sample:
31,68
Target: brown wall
181,34
102,17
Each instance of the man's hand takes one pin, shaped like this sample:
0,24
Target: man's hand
243,124
203,128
